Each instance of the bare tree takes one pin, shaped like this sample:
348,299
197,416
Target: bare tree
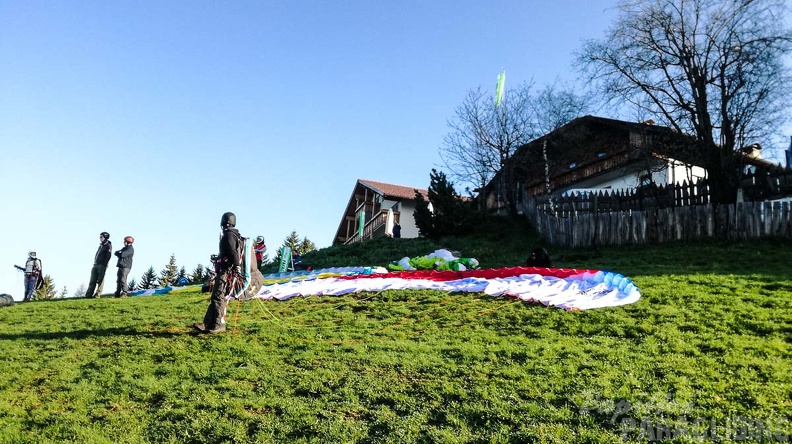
484,137
554,107
80,292
710,68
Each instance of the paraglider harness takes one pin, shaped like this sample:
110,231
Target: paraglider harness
239,279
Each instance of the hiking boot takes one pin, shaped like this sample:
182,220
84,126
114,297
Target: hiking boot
219,328
199,327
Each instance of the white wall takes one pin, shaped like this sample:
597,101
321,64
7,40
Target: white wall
407,221
674,172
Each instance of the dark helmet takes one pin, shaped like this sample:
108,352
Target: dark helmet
228,220
105,235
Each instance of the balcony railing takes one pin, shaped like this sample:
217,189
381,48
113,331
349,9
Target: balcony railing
374,228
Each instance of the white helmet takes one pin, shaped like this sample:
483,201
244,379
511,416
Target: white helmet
260,239
32,253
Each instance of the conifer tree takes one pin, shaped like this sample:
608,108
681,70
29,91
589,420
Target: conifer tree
197,275
148,280
169,274
292,241
132,285
63,293
265,259
306,246
47,290
451,215
182,274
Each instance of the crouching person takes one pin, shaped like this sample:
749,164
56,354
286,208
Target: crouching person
228,267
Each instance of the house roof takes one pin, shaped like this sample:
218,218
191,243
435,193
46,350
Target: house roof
590,145
390,190
585,140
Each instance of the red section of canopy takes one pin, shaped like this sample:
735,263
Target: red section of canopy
485,273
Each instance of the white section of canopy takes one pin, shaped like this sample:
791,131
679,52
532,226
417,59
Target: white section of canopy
580,292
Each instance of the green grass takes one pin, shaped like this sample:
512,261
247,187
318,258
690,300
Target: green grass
710,339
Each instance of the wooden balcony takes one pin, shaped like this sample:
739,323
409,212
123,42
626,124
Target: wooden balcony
374,228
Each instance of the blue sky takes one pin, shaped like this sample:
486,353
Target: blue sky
153,118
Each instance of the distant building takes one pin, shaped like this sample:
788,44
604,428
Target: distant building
591,152
374,199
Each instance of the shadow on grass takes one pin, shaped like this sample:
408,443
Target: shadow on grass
84,334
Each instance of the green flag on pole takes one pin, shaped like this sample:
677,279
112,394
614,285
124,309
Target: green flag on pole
499,88
286,257
362,222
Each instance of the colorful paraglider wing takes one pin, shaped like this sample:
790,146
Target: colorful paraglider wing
565,288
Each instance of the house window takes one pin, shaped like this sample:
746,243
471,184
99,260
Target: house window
645,180
572,165
600,155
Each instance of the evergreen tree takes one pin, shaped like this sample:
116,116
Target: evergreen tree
148,280
63,293
169,274
296,244
197,275
47,290
80,292
451,216
182,274
132,285
306,246
292,241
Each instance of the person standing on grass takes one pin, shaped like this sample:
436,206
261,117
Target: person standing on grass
228,266
124,256
259,248
32,271
101,259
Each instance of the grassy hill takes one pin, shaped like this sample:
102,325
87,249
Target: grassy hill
707,346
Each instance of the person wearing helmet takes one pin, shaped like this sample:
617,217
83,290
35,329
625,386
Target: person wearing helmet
260,248
32,271
124,256
101,259
228,265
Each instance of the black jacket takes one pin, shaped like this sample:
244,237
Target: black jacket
124,256
103,254
229,249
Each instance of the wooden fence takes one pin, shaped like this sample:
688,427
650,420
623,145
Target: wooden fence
686,194
750,220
